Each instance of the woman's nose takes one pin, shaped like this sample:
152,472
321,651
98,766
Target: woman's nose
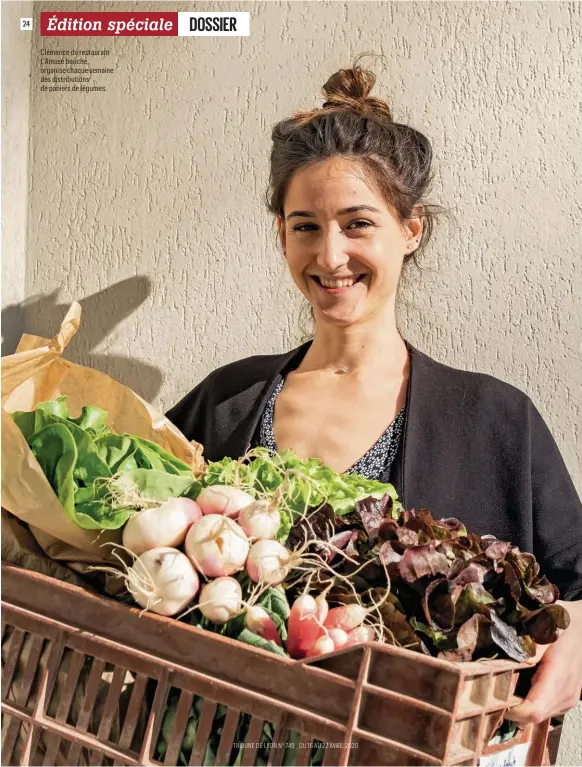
331,253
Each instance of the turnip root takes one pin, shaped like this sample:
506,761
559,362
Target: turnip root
220,600
260,520
223,499
164,525
217,546
269,562
162,580
260,622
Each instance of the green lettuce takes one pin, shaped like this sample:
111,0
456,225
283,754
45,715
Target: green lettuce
307,483
81,456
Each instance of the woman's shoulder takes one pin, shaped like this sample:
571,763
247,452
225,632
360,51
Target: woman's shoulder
474,387
226,398
235,377
246,372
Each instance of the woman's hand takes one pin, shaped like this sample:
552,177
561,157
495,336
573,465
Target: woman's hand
557,682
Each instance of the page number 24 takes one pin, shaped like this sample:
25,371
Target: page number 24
26,24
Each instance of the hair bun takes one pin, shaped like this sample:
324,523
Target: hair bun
349,89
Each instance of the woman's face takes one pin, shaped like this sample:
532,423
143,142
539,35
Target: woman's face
346,263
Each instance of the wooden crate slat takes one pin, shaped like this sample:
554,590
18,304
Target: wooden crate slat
331,756
154,719
13,726
180,720
111,707
76,663
253,737
133,711
14,648
277,753
227,737
52,740
304,749
203,732
49,677
93,684
10,730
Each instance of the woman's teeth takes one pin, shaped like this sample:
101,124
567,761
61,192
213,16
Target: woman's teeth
337,283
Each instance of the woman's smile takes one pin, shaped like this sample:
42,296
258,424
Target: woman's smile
337,286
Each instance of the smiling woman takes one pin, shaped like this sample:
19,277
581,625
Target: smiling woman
355,252
348,190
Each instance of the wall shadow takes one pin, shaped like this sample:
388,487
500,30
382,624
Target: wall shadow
102,312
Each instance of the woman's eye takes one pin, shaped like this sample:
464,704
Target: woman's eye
355,224
366,223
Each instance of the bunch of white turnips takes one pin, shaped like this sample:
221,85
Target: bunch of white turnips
223,532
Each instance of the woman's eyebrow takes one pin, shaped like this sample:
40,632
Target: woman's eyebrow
343,211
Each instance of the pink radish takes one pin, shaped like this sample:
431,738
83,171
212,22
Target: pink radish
164,525
346,617
322,646
322,607
360,635
260,622
223,499
299,629
306,624
338,637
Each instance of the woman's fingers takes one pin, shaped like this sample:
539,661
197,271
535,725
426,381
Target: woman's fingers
538,704
557,681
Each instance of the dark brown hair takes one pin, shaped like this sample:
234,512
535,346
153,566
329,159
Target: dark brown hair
394,157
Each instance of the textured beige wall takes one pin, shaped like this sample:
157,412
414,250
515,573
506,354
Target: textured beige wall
16,64
147,200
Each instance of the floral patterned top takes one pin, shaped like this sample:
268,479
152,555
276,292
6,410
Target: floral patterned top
372,465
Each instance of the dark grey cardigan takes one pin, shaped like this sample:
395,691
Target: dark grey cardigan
473,447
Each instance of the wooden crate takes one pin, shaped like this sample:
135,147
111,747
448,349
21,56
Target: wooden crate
370,705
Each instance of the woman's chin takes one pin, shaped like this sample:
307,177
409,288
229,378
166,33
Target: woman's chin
340,316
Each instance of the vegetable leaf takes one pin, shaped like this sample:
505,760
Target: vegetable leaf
56,451
82,458
308,484
248,637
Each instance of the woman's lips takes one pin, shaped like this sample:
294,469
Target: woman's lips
336,290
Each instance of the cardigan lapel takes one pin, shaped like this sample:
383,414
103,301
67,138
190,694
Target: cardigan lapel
431,425
239,415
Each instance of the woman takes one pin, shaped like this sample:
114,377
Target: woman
348,188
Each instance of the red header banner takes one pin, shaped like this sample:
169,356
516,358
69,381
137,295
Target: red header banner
94,23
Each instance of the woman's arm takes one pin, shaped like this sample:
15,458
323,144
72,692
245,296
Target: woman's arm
557,683
556,511
192,412
557,519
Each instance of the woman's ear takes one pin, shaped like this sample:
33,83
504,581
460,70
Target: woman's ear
281,231
414,226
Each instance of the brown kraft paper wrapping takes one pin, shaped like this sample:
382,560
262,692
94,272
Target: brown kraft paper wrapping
36,373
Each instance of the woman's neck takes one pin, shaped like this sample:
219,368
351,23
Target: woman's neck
356,350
